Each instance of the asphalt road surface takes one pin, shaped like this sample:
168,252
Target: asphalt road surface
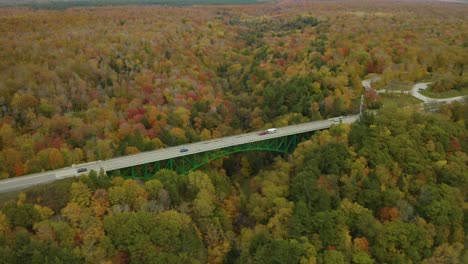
422,86
415,93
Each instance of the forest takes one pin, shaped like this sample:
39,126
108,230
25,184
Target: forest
92,83
334,200
86,84
64,4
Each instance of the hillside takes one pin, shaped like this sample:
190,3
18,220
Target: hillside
90,83
64,4
87,84
334,200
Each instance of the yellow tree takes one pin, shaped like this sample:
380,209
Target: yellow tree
4,224
80,194
100,202
55,159
44,212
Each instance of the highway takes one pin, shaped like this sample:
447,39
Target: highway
166,153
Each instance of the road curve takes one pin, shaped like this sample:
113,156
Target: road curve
423,86
415,92
166,153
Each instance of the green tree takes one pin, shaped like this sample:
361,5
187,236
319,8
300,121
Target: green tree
129,193
174,233
333,257
80,194
174,183
412,243
57,231
131,233
152,187
280,251
362,258
204,202
20,215
441,205
333,158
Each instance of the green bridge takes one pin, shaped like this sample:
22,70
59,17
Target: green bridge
185,164
145,164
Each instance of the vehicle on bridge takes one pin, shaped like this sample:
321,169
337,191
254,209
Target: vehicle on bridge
80,171
130,165
268,131
338,119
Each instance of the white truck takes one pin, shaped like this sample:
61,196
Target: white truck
338,119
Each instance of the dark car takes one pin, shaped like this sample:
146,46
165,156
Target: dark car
82,170
263,133
183,150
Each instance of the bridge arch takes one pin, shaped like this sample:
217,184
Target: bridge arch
187,163
227,153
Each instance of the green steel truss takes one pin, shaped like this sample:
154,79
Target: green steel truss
184,164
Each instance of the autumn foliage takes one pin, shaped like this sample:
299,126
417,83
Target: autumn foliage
387,189
93,83
84,84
